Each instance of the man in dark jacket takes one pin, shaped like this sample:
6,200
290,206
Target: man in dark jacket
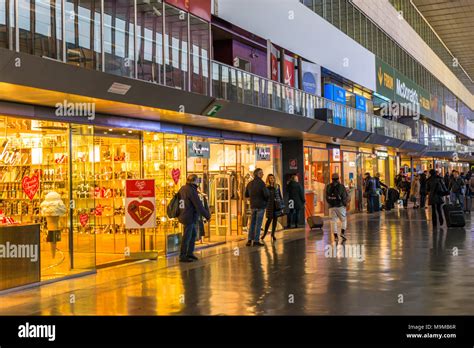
336,197
423,178
191,208
258,193
296,201
435,187
456,186
370,192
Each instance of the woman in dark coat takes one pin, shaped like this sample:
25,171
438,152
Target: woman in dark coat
296,201
274,206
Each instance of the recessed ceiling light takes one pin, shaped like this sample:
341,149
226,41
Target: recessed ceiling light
130,131
89,127
110,129
105,132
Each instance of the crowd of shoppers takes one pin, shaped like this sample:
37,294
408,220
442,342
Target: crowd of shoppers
266,198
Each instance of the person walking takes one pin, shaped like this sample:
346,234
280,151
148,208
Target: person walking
399,179
469,191
436,189
406,187
456,187
258,194
274,206
296,201
415,191
189,214
423,178
370,192
337,199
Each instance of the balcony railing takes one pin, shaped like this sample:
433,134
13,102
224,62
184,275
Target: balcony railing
239,86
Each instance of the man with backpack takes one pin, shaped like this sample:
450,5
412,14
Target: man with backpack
456,187
190,208
337,199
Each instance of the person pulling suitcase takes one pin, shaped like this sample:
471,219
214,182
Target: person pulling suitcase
337,199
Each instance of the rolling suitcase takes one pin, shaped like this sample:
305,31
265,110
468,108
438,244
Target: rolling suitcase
454,215
315,222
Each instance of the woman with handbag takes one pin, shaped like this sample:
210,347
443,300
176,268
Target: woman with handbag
415,191
274,205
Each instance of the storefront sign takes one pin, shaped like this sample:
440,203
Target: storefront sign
199,149
293,164
360,103
451,118
311,78
381,154
263,153
336,155
399,88
140,203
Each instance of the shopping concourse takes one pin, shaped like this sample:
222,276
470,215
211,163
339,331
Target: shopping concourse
224,157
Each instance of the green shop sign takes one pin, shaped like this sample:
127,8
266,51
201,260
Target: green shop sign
397,87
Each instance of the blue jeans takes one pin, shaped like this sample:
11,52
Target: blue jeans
371,204
457,196
256,224
188,241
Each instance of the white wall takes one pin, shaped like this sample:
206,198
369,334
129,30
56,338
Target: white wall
386,16
291,25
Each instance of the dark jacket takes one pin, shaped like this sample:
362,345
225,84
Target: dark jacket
193,207
379,184
258,193
423,184
295,194
370,186
456,184
275,201
336,189
405,186
433,187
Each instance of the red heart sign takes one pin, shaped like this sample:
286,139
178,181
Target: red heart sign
175,174
141,211
83,219
30,185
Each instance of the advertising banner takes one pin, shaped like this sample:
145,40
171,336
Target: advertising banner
337,94
289,72
311,78
199,8
451,118
140,203
436,109
397,87
263,153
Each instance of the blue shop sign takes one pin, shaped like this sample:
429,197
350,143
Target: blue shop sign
361,103
309,83
337,94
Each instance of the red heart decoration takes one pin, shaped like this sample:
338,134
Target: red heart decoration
83,219
141,211
30,185
175,174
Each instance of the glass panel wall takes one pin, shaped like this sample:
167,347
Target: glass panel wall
150,41
176,48
119,42
3,23
83,33
200,51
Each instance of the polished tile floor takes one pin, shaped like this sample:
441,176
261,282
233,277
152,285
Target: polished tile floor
392,263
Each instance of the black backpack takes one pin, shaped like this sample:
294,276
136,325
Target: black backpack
442,190
172,210
333,195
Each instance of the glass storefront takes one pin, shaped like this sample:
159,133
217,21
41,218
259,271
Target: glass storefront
88,167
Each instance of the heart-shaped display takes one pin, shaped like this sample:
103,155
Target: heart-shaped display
141,211
83,219
175,174
30,185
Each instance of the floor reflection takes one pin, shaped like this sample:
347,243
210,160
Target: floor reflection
403,257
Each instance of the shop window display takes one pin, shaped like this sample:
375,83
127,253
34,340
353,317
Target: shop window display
34,159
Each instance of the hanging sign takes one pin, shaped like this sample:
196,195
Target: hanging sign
199,149
263,154
140,203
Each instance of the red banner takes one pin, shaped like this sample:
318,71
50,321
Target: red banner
274,67
140,204
289,73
